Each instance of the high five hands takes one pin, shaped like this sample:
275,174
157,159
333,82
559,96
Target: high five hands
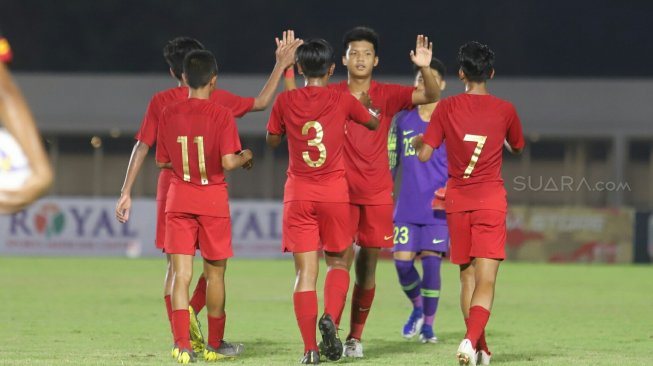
286,48
423,52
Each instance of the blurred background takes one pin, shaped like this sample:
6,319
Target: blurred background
578,72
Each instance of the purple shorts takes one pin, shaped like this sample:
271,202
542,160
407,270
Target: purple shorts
417,238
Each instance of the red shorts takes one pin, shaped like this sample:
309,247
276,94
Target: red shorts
372,225
184,230
160,237
477,234
307,224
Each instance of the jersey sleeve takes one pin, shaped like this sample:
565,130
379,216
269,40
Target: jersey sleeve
238,105
147,134
275,122
357,111
398,98
162,155
434,134
229,139
514,134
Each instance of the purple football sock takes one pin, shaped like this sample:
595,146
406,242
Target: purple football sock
430,287
410,281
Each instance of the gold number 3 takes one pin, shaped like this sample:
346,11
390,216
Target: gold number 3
316,142
199,140
480,141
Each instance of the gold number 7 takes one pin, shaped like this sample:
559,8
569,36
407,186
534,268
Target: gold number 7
480,141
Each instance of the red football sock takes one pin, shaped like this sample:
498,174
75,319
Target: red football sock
361,302
181,328
336,287
198,301
478,317
168,302
306,314
216,330
482,344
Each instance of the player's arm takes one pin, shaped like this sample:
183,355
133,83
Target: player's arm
276,128
139,152
243,159
146,137
421,57
164,165
163,160
434,135
512,149
273,140
424,151
371,116
289,78
19,122
514,141
285,58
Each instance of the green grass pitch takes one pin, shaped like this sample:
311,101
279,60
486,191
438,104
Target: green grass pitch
91,311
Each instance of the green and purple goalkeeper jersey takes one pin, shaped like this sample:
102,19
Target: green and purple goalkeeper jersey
419,181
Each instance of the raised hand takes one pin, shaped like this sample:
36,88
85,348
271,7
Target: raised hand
423,52
286,47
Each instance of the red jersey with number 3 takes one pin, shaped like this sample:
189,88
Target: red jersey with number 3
147,134
475,128
313,119
194,135
366,152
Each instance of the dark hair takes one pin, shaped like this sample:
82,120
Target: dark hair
199,68
176,50
361,34
315,57
476,60
436,65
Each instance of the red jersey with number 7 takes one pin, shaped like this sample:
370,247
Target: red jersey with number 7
194,135
475,128
313,118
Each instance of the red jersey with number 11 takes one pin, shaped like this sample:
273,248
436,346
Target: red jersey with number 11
475,128
313,118
194,135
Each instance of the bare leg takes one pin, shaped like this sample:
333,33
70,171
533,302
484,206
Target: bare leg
485,276
215,293
366,260
306,270
167,283
467,285
182,268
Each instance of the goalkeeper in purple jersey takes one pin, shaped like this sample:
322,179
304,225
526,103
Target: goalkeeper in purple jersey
420,225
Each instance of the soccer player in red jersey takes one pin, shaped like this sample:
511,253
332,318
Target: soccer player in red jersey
17,118
476,126
366,162
198,140
174,53
316,198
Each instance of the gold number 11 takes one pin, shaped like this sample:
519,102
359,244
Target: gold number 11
199,140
